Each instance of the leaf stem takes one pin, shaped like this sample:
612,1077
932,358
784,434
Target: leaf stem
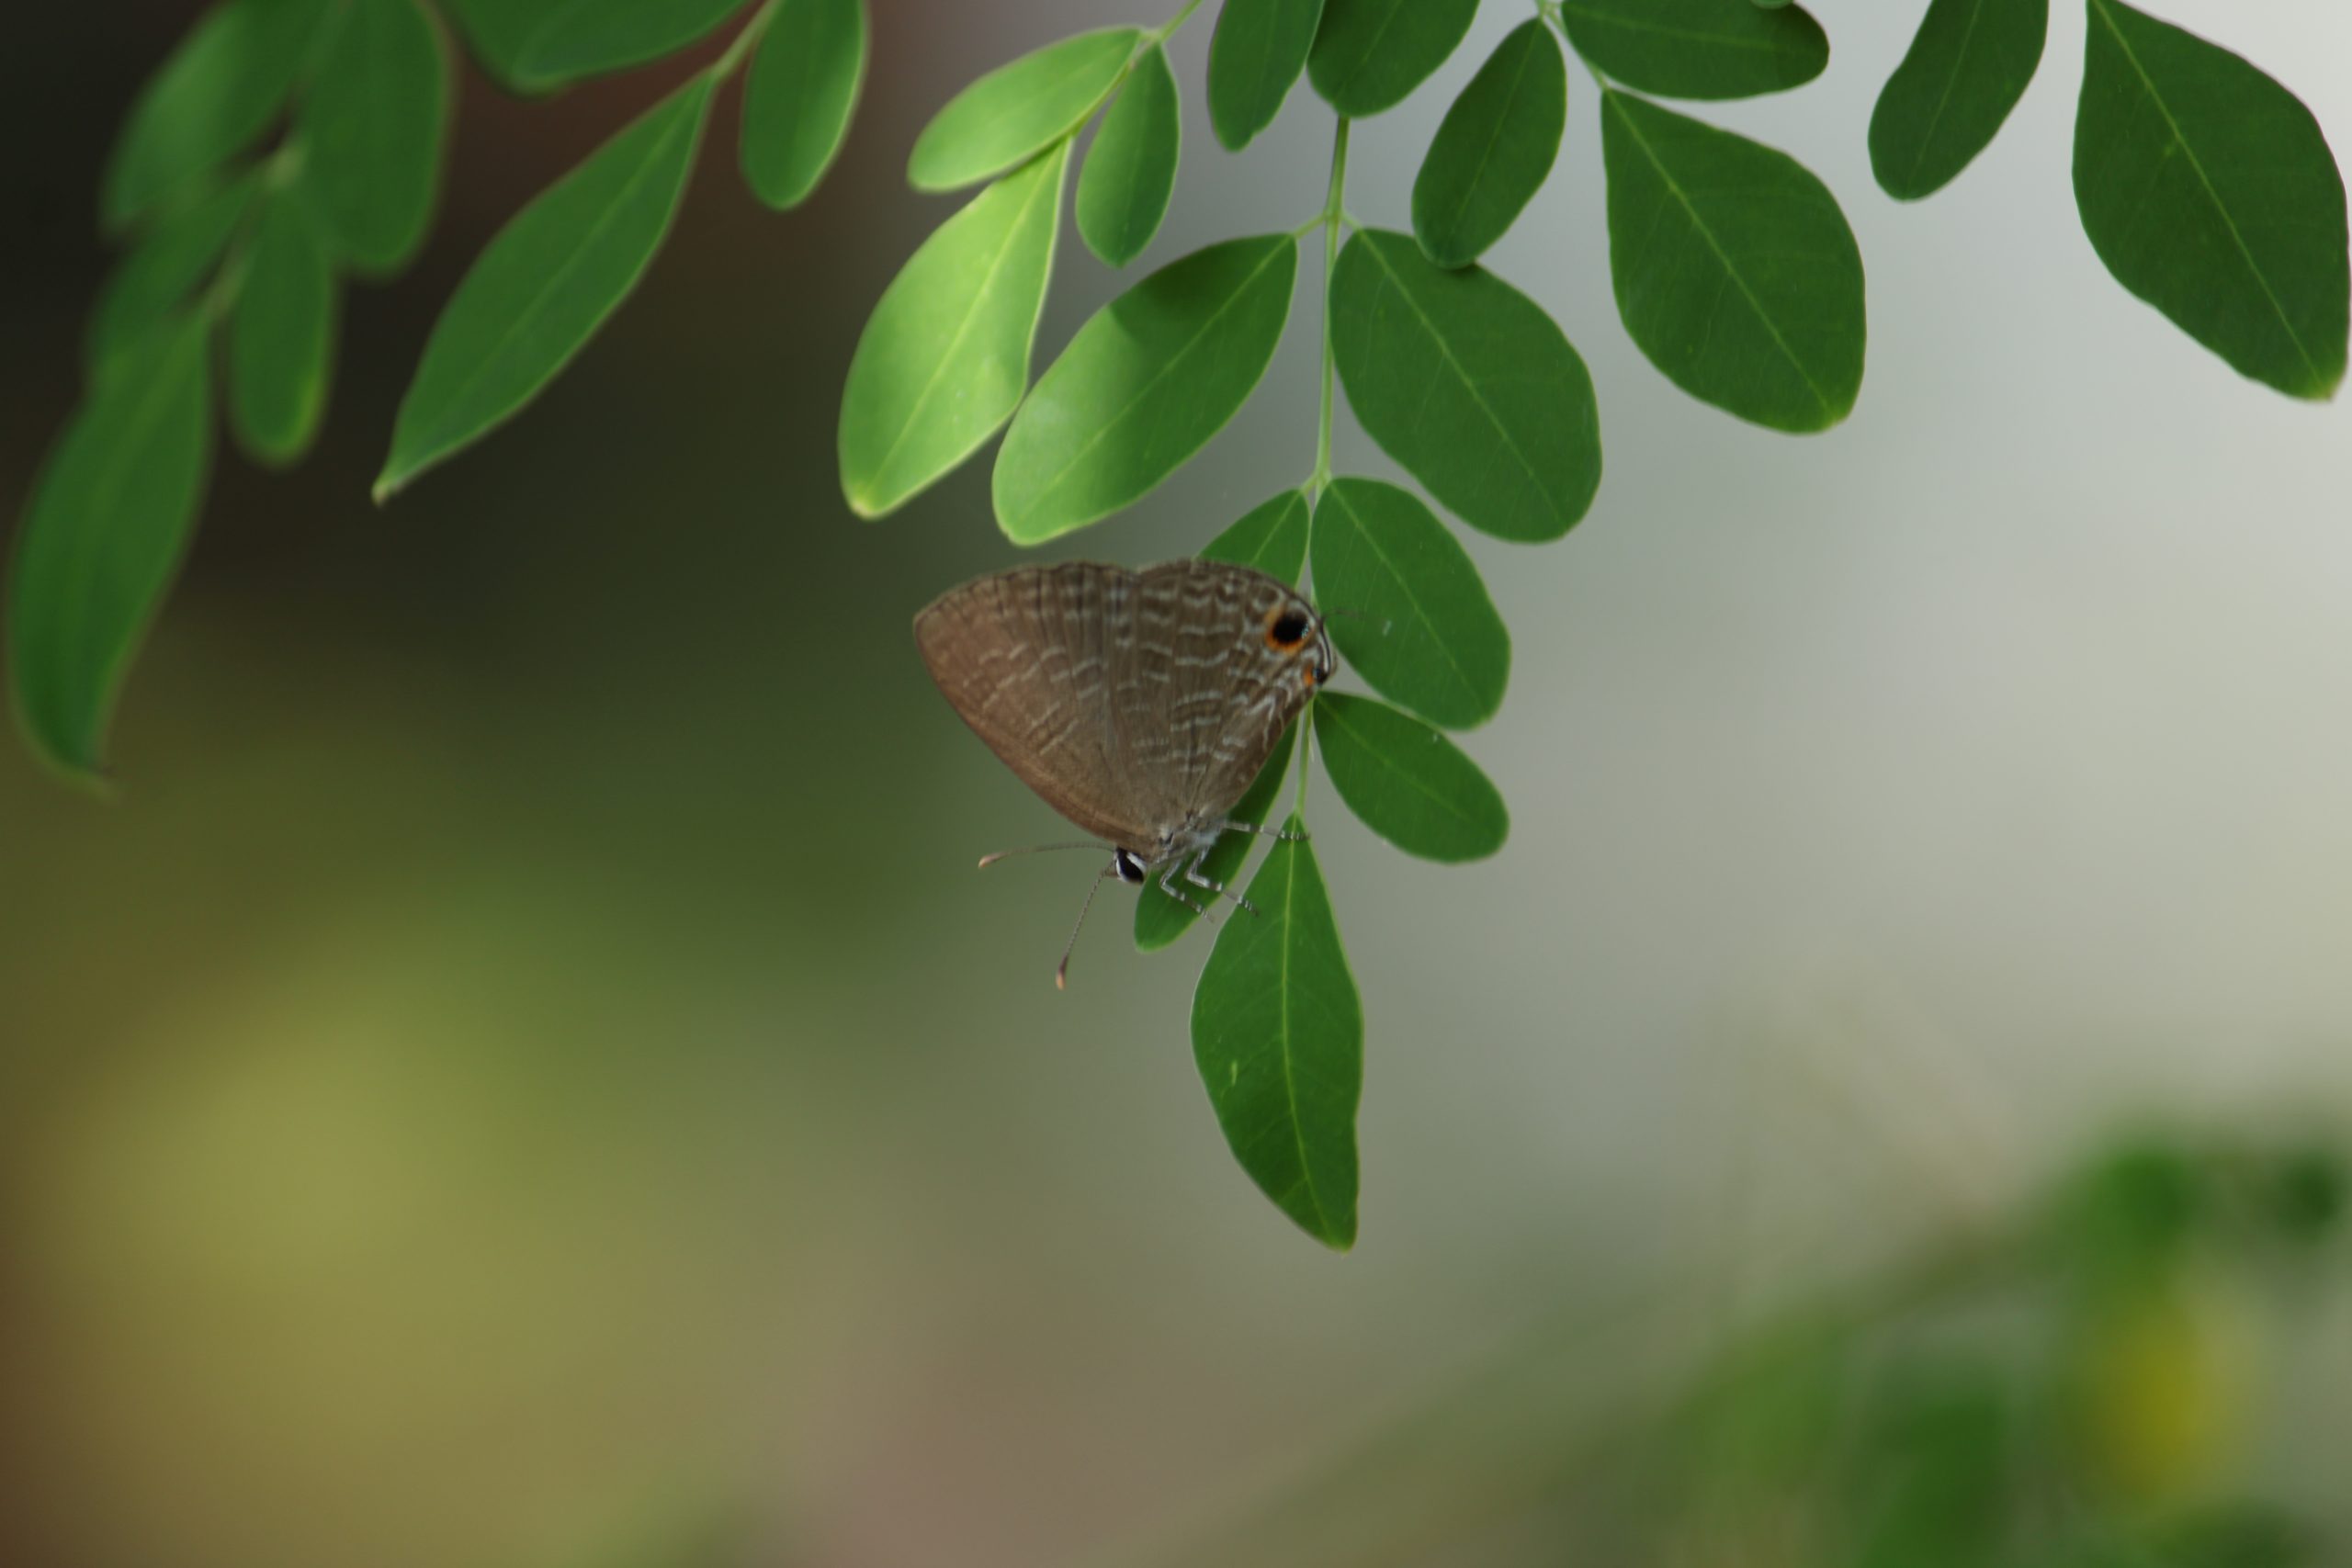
1333,213
727,63
1167,30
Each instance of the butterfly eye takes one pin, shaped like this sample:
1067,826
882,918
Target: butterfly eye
1286,631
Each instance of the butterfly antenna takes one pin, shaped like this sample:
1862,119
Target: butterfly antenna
1061,970
988,860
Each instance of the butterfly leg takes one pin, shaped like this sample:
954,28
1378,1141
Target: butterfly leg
1192,875
1230,826
1167,885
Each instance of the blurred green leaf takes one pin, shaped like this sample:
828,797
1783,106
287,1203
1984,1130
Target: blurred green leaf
802,91
1468,384
2236,1535
2308,1193
1407,782
281,337
1369,55
544,285
227,80
1143,386
944,357
1018,111
1278,1035
497,30
157,278
2208,190
1421,630
1966,69
372,128
1698,49
1494,150
591,38
1937,1453
2127,1217
1270,537
104,533
1734,270
1160,919
1131,169
1257,52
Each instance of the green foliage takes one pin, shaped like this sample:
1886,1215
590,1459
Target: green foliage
167,267
1143,386
1494,150
1408,784
1278,1035
1259,51
1018,111
1967,68
372,127
1270,537
1369,55
1697,49
1131,169
1160,919
581,38
1421,630
1734,270
944,357
109,522
281,335
544,285
2208,190
213,99
797,102
1468,384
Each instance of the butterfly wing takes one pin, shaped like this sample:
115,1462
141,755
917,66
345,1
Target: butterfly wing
1235,684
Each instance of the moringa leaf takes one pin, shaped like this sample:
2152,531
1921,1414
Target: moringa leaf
102,536
496,30
1160,919
802,91
1468,384
581,38
1278,1036
2208,190
1369,55
1698,49
1421,629
1143,386
1257,52
1131,169
156,278
1407,782
281,335
1493,149
372,129
1966,69
1018,111
1734,270
544,284
1270,537
227,80
944,357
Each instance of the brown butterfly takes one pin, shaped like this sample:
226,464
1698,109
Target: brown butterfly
1139,705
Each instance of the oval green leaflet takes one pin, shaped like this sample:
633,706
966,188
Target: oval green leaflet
1967,67
1422,630
1131,169
1369,55
1697,49
1018,111
1407,782
944,357
281,334
372,128
1493,149
802,91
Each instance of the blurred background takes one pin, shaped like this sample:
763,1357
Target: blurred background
525,1074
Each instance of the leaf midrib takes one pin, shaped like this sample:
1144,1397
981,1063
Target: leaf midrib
1951,84
1494,135
1083,61
1389,765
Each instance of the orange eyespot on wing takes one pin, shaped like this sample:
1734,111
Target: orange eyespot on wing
1286,629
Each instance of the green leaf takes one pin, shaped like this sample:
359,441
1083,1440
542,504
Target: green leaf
1131,169
944,357
373,126
544,285
221,86
1257,52
591,38
1270,538
1369,55
104,531
1698,49
1494,150
2208,190
156,279
1468,384
497,30
1966,69
1160,919
1018,111
1407,782
1278,1035
1420,628
802,91
1734,270
1143,386
281,338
